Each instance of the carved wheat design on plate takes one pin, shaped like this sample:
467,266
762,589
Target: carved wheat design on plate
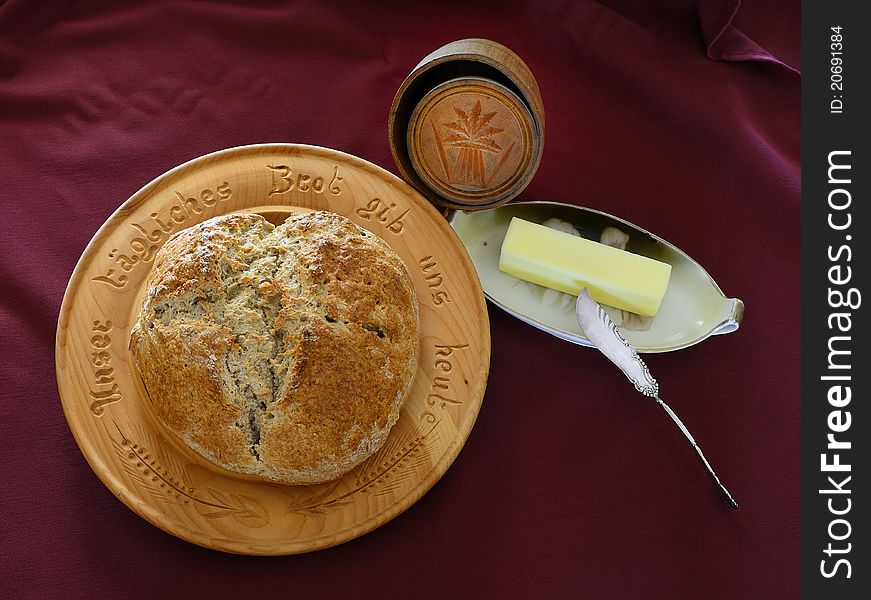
154,469
166,478
241,508
378,474
408,450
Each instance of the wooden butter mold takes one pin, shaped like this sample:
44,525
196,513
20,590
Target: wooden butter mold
466,127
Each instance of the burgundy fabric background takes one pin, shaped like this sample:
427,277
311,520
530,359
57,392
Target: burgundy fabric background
571,485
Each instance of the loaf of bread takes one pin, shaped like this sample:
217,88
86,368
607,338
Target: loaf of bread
281,353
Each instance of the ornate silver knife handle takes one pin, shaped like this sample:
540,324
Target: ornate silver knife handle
602,332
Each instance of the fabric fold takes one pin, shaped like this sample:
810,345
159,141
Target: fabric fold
724,41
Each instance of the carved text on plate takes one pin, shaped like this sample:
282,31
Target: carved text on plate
105,389
388,214
434,282
286,179
442,392
149,236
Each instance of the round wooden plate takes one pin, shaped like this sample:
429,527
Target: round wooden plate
162,481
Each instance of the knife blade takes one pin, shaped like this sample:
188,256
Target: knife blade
602,332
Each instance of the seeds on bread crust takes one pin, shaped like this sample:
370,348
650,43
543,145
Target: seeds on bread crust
283,353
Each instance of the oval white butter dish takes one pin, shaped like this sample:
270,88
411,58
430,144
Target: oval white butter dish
693,309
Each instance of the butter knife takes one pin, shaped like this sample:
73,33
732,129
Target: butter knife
602,332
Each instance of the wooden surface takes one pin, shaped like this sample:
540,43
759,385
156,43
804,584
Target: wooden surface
506,85
472,140
170,486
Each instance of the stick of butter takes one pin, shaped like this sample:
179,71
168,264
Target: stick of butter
567,263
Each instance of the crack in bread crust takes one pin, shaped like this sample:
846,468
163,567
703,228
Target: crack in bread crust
282,352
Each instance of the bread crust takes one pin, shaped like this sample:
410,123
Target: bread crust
281,353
